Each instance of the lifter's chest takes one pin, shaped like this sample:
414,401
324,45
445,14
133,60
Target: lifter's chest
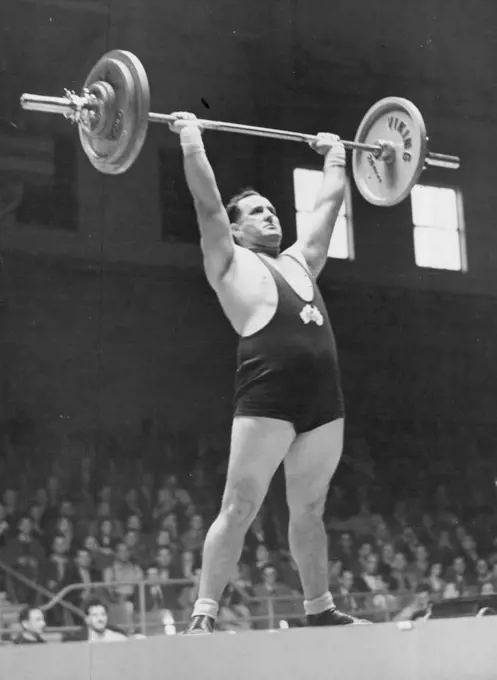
296,277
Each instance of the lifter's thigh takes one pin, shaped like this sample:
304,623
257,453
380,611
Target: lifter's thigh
258,446
310,465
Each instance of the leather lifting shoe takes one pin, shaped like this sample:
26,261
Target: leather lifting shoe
334,617
200,625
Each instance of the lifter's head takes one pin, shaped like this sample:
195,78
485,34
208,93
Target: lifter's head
254,222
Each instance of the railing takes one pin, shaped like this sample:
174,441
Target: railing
270,612
40,590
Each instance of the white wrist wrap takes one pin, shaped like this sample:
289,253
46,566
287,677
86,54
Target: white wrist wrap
335,158
191,140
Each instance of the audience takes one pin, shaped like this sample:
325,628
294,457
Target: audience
396,563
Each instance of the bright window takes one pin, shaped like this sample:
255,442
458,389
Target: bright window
306,186
437,216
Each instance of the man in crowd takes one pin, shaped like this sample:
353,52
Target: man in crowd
32,623
96,628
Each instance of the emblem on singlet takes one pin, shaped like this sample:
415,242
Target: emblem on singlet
311,314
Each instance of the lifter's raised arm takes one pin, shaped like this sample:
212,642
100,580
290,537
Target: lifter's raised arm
216,238
314,241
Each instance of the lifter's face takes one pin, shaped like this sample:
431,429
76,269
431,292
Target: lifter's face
258,228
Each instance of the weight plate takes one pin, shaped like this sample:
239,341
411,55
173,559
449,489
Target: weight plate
115,151
400,123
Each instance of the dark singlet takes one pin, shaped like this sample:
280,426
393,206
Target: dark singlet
289,369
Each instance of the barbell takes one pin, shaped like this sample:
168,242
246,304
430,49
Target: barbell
390,149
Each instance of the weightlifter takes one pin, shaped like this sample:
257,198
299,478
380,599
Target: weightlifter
288,404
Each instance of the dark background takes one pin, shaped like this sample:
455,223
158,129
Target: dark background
106,317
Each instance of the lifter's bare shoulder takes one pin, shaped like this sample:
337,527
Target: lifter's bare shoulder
243,289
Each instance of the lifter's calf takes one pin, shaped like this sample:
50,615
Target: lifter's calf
309,547
223,548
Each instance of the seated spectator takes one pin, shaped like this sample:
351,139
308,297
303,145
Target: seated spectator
96,628
262,558
40,499
165,572
451,591
163,540
399,579
81,571
133,523
194,537
434,579
55,577
418,570
64,527
370,580
345,598
24,553
418,607
271,587
159,596
166,504
138,549
260,532
122,577
32,623
334,574
445,549
35,513
346,552
487,588
131,504
408,543
290,575
387,561
242,584
365,521
181,496
107,534
468,549
457,574
169,523
483,574
364,552
187,594
234,611
100,559
382,535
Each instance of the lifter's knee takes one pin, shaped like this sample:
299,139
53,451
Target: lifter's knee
305,509
241,503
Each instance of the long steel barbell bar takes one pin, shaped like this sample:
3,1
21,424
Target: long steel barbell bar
65,106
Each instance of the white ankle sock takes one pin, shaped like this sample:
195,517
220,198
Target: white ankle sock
205,607
319,604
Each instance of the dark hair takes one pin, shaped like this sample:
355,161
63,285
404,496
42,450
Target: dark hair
94,602
232,206
25,612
